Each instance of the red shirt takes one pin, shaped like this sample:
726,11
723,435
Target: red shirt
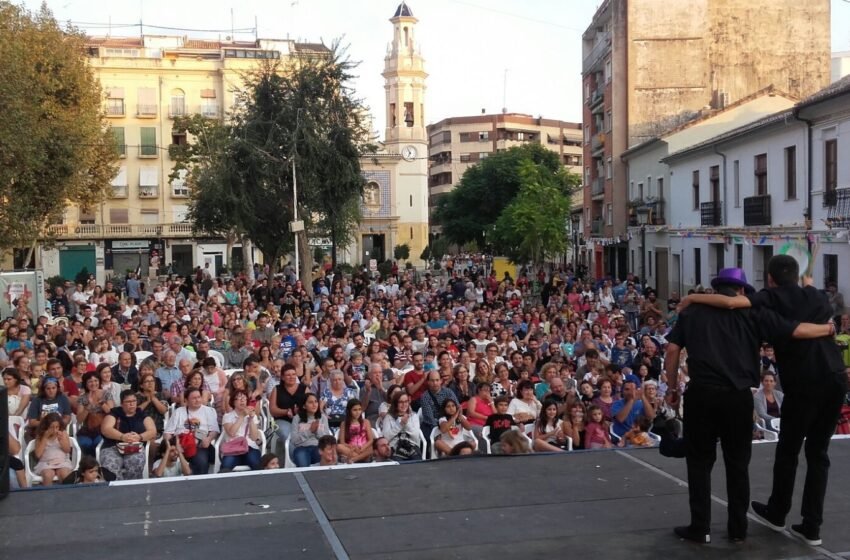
414,377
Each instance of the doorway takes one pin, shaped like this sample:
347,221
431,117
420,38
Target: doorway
181,258
662,278
373,248
761,256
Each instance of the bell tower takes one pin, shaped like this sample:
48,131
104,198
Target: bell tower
404,81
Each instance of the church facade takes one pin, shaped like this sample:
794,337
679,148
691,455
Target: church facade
394,207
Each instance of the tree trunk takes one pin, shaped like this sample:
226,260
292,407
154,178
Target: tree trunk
247,258
29,255
305,258
333,247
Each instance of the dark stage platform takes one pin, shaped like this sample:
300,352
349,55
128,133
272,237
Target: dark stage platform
602,504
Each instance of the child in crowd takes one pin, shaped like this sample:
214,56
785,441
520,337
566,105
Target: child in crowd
170,460
548,435
89,472
358,368
269,462
452,426
52,449
638,435
500,422
328,451
596,434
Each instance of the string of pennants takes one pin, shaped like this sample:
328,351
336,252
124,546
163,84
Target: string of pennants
759,239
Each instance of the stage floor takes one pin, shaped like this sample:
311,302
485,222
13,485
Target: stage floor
611,504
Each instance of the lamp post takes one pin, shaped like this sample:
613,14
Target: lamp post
643,219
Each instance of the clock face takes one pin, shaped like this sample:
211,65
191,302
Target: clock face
408,153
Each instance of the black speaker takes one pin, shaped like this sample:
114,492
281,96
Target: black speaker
4,442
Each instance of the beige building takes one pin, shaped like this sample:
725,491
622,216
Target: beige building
147,82
456,143
649,66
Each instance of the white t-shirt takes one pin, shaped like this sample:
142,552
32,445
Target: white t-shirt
232,417
173,470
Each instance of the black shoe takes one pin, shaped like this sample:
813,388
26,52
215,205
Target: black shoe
689,533
763,513
737,539
810,536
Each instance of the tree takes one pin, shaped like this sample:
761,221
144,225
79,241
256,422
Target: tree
401,252
533,226
512,183
55,146
296,116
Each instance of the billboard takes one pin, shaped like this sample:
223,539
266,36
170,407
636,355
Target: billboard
16,285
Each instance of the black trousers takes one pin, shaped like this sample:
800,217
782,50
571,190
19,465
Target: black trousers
812,415
726,413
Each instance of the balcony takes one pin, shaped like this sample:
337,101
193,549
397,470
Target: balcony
597,143
210,111
839,207
115,108
596,226
602,45
119,191
110,231
177,110
597,99
597,187
710,214
757,210
148,192
146,111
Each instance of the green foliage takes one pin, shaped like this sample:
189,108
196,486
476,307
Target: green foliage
318,254
385,268
533,226
82,276
345,269
512,183
55,146
54,282
426,253
299,111
401,252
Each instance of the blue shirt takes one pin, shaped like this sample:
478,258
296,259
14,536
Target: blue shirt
168,376
621,428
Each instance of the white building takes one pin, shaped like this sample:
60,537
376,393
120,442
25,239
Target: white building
839,65
653,251
745,195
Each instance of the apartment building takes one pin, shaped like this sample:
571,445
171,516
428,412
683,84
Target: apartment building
456,143
651,66
744,195
147,82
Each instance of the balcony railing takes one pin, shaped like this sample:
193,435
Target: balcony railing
597,142
210,111
177,110
839,209
710,213
757,210
597,187
603,43
596,98
145,110
115,109
119,191
100,231
148,192
596,226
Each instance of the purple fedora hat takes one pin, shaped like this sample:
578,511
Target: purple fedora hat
733,277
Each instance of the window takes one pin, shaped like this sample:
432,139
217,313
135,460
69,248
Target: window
608,121
483,155
147,102
119,216
736,182
791,173
695,189
483,136
830,268
631,189
697,266
442,137
147,146
411,201
661,189
607,70
115,102
179,188
178,139
719,257
761,174
120,143
714,180
830,153
587,176
119,183
411,233
586,133
408,114
177,108
640,191
86,216
609,169
739,256
610,213
150,217
393,120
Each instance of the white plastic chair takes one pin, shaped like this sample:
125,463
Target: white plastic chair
217,447
146,471
288,463
229,372
30,462
485,435
435,433
774,424
141,356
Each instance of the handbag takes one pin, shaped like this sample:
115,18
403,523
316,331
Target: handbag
405,448
93,422
189,444
128,448
237,445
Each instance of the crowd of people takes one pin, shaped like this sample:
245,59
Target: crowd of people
197,374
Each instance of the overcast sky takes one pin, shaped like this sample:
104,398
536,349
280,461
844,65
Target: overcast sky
467,44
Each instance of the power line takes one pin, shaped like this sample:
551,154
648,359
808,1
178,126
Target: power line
141,25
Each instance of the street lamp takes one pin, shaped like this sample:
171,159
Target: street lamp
643,218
